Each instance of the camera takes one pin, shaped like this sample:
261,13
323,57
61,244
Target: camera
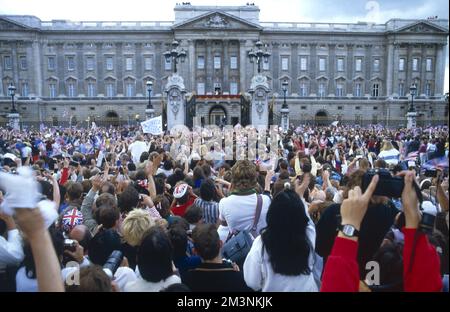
388,185
113,263
430,173
69,244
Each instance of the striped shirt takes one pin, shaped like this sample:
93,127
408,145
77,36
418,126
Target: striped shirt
210,210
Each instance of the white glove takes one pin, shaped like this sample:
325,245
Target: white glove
21,191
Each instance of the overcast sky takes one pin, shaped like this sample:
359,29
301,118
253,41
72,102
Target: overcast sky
271,10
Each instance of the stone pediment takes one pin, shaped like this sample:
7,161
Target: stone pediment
7,24
422,27
216,20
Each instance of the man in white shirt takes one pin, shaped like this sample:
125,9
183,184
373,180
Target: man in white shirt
137,148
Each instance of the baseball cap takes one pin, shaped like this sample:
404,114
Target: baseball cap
180,190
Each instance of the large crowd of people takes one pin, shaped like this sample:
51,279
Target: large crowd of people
115,209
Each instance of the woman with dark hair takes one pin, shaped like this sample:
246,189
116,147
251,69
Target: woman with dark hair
198,177
282,257
154,263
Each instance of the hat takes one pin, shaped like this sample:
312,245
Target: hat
71,218
10,156
180,190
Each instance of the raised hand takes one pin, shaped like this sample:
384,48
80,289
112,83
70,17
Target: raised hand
355,206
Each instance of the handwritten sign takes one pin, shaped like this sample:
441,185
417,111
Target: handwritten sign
152,126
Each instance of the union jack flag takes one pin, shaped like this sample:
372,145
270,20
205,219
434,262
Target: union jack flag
412,156
71,219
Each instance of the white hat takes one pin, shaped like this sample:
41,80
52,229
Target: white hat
10,156
180,190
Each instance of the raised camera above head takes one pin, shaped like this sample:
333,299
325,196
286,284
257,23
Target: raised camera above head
388,185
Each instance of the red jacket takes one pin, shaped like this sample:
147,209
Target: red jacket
341,272
179,210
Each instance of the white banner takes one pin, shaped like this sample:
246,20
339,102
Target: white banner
153,126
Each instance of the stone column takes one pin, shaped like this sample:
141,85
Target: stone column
439,70
209,60
192,58
15,64
159,59
423,70
276,66
350,61
226,67
37,72
368,68
100,69
119,68
390,70
313,68
80,69
139,70
332,68
395,72
408,69
294,67
60,68
242,64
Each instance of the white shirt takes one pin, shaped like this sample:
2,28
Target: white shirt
137,148
239,211
11,251
141,285
258,272
391,156
26,151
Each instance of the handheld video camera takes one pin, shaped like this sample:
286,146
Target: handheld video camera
388,185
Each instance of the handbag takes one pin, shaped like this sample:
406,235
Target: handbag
238,243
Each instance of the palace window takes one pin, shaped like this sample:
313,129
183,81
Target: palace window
303,64
401,64
200,62
233,62
322,64
217,62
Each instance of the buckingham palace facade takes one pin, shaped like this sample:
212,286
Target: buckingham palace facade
75,72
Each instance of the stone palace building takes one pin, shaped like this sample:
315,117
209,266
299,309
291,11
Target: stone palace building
77,72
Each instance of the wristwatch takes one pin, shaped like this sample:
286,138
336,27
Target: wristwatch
349,230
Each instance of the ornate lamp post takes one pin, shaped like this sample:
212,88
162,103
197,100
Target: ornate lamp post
12,93
175,54
149,111
284,108
13,116
259,55
412,114
412,91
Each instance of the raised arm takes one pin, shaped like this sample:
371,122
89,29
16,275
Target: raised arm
86,206
151,182
48,270
341,272
421,264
